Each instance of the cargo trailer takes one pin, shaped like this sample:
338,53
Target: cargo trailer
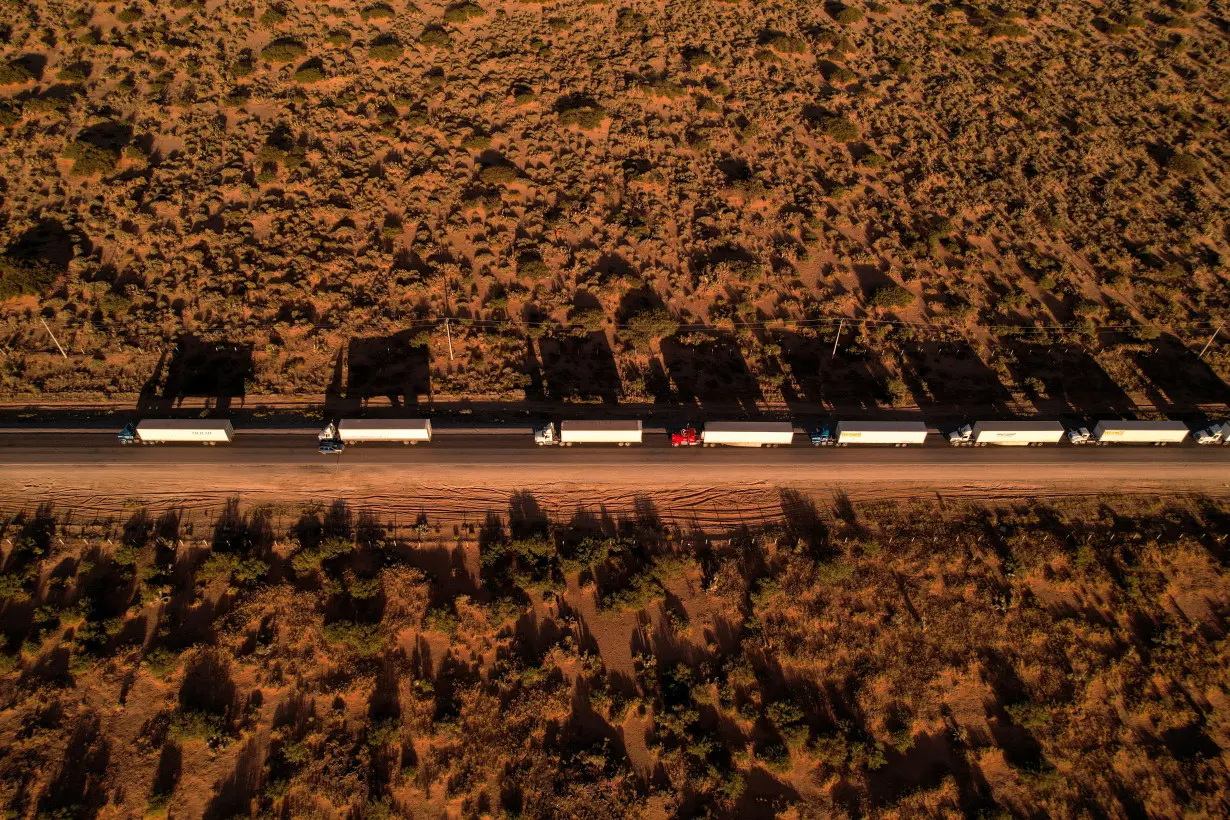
748,433
608,431
160,431
1159,433
407,431
1008,434
897,433
737,434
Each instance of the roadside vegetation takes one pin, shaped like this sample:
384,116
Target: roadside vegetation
886,660
294,177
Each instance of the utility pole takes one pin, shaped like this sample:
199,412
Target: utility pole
53,337
1210,341
449,334
840,328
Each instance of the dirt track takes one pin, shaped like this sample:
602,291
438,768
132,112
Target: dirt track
700,494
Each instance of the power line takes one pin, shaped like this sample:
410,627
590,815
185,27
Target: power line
764,324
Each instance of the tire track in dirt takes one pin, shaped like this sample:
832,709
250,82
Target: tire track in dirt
702,499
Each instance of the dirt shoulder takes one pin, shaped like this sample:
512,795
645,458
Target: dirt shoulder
701,495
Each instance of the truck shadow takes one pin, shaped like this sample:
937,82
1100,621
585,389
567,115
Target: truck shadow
578,367
396,367
1176,375
219,372
1064,379
949,375
706,367
852,377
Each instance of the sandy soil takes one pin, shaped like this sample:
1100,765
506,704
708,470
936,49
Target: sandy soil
709,496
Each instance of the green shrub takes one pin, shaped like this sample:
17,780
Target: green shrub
233,567
21,276
533,270
650,323
338,37
10,113
891,296
130,15
1185,164
848,15
89,159
14,74
787,44
283,51
309,74
198,726
585,117
476,142
377,11
463,12
1012,30
385,50
435,37
75,73
365,639
307,561
498,174
838,128
272,17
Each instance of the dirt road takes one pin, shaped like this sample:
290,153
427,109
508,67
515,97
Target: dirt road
456,479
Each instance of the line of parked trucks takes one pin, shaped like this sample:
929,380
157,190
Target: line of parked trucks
626,432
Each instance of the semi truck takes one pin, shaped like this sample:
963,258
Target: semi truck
896,433
736,434
353,430
1007,434
163,431
1157,433
610,431
1213,434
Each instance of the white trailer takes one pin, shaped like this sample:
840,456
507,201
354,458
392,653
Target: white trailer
1157,433
204,431
1009,433
607,431
897,433
747,433
407,431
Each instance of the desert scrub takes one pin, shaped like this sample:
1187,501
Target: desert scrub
89,159
498,174
20,275
14,74
1185,164
585,116
363,639
891,296
377,11
463,13
284,50
309,73
435,37
838,128
385,49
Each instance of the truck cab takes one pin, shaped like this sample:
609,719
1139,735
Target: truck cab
687,437
1213,434
129,434
544,436
1079,435
962,436
821,437
330,441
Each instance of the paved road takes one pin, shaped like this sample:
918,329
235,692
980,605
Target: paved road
476,449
